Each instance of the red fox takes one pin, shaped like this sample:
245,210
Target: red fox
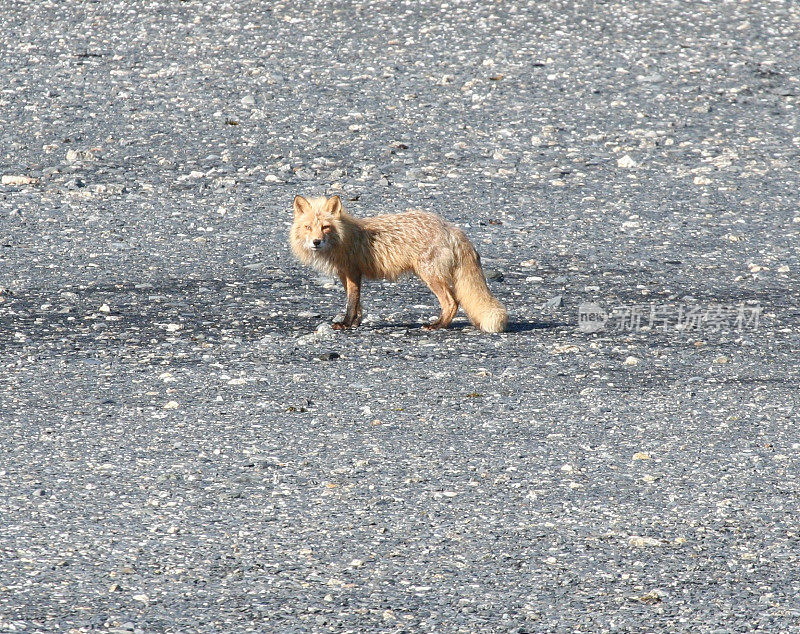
325,236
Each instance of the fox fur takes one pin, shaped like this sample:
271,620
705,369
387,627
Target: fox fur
326,237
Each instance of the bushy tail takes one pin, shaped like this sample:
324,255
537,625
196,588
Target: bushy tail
473,294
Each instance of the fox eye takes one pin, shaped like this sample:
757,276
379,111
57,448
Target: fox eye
326,227
308,227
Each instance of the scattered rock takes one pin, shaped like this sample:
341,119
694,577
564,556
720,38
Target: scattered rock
565,348
654,78
651,598
324,331
12,179
328,356
77,156
554,302
75,183
643,542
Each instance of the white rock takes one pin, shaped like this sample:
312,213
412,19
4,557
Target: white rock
641,542
323,331
73,156
13,179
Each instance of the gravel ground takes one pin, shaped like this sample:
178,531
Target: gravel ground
186,447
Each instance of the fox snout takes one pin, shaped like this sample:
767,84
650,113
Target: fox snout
318,236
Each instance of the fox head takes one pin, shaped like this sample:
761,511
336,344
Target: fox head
316,222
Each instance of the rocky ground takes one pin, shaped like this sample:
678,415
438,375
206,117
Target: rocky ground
185,446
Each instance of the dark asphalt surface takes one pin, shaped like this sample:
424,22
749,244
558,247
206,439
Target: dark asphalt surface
186,447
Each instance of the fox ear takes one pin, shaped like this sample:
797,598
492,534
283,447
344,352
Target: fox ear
301,206
334,206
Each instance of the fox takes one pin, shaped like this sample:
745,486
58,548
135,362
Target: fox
326,237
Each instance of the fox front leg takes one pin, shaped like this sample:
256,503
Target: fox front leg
352,315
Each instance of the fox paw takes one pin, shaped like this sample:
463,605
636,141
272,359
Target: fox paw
433,326
339,325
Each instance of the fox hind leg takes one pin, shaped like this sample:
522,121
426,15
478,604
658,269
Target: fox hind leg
446,298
